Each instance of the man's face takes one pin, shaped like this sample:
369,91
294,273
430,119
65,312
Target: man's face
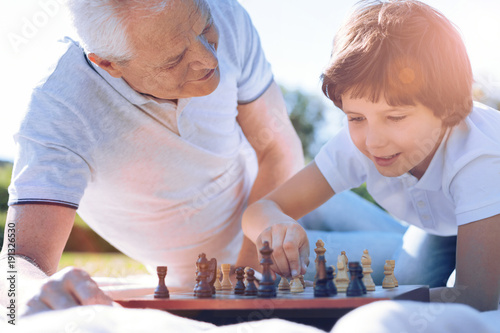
175,52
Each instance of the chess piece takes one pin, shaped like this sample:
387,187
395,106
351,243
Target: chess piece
161,290
319,250
212,269
342,280
266,285
203,289
366,262
346,260
251,288
296,285
320,289
330,285
355,287
226,282
388,281
284,285
239,288
217,284
246,275
393,264
196,274
301,278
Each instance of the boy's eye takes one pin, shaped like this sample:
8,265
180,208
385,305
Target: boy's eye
396,118
356,119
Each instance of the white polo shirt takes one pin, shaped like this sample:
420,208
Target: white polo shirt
461,184
161,182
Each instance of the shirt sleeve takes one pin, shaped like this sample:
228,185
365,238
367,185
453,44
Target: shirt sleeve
49,167
341,163
256,74
476,189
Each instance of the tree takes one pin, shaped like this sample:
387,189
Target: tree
307,116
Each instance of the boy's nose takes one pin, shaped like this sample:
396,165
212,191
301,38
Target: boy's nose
375,137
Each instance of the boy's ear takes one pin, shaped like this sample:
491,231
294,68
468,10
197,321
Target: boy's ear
108,66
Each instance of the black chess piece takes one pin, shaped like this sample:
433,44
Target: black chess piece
161,290
266,289
239,288
196,273
251,288
330,285
320,289
212,274
203,289
355,287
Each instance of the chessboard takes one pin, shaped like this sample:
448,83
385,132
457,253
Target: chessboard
227,308
214,299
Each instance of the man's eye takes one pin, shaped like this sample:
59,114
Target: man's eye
208,27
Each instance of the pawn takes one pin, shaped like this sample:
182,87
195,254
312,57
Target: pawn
284,285
239,288
393,264
246,275
226,282
161,290
251,288
355,287
296,286
388,281
330,285
217,284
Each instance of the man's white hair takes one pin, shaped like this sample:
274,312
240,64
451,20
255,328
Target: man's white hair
102,24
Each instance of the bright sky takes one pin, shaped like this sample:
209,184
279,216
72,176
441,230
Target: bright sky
296,34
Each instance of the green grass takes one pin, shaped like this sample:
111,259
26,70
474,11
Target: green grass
102,264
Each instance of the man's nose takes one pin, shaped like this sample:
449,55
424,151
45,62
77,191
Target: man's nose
205,56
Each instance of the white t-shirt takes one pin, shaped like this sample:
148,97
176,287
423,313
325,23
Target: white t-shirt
161,182
461,184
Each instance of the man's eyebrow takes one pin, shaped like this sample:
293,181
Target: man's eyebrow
174,58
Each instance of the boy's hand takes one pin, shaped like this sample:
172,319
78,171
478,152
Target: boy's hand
290,248
68,288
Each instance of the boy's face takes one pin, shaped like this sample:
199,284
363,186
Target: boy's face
396,139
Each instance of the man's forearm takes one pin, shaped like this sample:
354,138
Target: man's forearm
275,168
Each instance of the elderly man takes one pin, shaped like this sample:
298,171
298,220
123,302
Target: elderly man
159,130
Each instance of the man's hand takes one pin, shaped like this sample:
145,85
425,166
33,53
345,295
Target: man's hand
67,288
290,248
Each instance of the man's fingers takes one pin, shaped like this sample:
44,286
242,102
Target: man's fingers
68,288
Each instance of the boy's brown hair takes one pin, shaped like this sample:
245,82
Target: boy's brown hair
406,52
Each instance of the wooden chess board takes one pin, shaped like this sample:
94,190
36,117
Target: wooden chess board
227,308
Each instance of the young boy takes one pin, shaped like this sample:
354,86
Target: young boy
400,72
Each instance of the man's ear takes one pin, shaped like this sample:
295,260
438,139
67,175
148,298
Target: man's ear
108,66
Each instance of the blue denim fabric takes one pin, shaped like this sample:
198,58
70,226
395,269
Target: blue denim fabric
349,223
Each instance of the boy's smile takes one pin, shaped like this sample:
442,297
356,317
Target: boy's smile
397,139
